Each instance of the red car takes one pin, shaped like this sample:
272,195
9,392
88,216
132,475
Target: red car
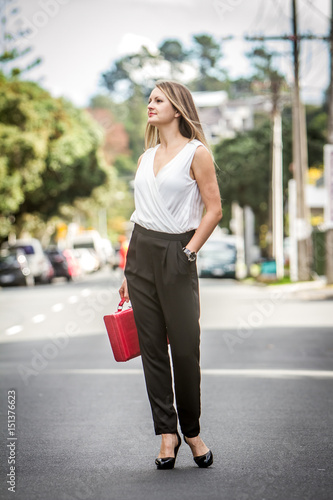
64,263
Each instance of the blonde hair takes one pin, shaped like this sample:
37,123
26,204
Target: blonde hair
189,123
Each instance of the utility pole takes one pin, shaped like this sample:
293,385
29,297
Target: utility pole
329,231
300,162
303,226
330,102
277,194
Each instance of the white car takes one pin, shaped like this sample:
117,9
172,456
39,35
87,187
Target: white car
39,264
88,259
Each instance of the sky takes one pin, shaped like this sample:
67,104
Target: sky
79,39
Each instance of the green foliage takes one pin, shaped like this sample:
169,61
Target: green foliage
132,113
316,119
14,43
48,151
173,51
206,52
245,161
135,123
135,70
125,167
132,72
244,170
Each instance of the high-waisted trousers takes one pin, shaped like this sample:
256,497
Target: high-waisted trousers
164,293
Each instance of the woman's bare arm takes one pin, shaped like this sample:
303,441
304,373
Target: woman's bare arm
204,173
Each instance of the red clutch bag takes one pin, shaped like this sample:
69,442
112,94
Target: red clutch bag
122,333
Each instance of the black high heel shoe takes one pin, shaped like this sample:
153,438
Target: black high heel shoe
168,462
203,461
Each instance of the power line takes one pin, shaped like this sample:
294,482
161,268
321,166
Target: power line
277,5
313,7
259,14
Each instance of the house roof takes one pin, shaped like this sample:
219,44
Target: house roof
209,99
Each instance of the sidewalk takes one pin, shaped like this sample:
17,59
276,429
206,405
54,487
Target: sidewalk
308,290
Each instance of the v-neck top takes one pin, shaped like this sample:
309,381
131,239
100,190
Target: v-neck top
169,202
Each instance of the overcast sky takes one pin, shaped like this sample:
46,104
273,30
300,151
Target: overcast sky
79,39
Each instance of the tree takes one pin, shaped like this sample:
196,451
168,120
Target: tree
244,170
207,54
132,113
14,47
172,50
132,72
266,78
49,152
316,120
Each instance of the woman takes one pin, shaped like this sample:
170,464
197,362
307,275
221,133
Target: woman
174,181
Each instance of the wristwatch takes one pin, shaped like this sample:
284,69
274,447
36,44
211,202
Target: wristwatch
190,255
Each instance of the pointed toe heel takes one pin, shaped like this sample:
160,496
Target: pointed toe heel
168,462
165,463
204,461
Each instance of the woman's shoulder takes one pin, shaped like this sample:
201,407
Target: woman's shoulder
202,155
146,154
200,149
149,151
196,143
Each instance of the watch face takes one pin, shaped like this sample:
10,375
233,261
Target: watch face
190,255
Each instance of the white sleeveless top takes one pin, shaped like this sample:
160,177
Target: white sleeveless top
171,201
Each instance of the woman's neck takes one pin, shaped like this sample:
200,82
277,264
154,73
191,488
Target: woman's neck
170,137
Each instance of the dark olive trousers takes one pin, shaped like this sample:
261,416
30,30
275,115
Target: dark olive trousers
163,289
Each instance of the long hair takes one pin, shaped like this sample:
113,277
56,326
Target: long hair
189,123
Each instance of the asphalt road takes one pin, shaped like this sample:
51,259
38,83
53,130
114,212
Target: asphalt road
83,423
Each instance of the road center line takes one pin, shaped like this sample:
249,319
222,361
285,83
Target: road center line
39,318
13,330
256,373
73,299
57,307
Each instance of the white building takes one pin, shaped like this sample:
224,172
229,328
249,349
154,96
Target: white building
222,118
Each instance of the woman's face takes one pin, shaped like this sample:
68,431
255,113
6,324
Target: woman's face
160,109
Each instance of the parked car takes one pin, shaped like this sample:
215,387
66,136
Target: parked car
217,258
40,266
73,263
14,269
64,263
88,259
93,241
109,252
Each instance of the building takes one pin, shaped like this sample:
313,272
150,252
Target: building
222,118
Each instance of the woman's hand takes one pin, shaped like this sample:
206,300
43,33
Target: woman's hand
123,291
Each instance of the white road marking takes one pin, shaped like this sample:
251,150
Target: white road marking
217,372
98,371
39,318
86,292
13,329
73,299
270,373
57,307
